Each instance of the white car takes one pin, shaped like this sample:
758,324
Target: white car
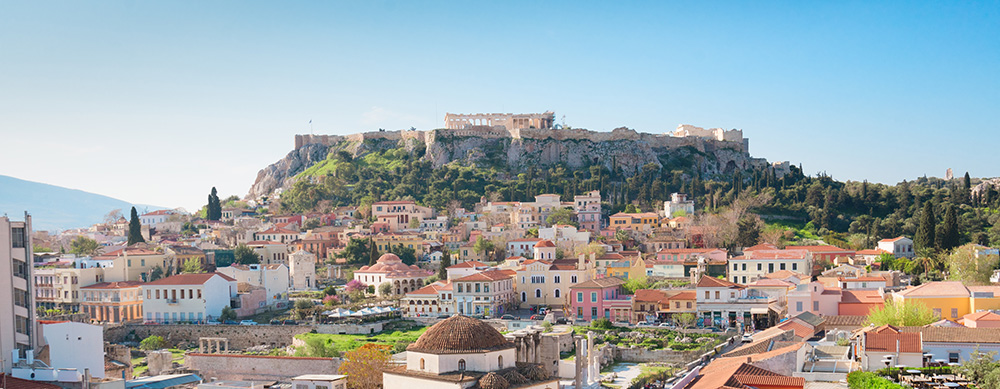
642,324
747,338
248,323
666,325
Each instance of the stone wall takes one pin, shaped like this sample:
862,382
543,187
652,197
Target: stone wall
240,337
641,354
258,367
354,329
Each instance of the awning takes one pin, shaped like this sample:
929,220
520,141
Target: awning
758,311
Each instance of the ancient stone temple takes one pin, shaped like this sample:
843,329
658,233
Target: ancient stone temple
545,120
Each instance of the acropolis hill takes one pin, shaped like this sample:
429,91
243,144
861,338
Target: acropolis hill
514,142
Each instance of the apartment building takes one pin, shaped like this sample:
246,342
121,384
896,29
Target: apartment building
17,299
489,293
59,287
753,265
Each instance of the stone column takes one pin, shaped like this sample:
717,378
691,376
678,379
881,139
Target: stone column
227,345
578,380
592,365
201,346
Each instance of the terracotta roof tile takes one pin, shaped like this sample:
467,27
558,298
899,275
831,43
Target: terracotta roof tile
489,275
600,283
982,316
956,334
887,338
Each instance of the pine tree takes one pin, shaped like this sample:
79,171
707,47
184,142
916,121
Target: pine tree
445,262
134,229
949,235
925,230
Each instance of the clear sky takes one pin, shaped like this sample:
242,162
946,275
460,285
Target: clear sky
156,102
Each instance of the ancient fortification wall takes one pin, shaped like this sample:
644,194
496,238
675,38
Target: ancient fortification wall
240,337
258,367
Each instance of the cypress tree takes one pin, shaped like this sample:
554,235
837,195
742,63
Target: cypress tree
214,206
134,229
949,234
373,257
925,230
445,262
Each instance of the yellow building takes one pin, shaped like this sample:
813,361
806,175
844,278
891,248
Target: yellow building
134,263
952,299
546,283
629,268
633,220
413,241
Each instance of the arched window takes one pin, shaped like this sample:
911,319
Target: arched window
524,296
538,293
557,293
499,361
421,364
461,365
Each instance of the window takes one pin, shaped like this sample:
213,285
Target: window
717,295
759,268
954,312
736,267
795,266
572,279
199,293
460,288
689,305
477,287
579,297
706,295
744,267
770,268
782,266
952,357
538,293
461,365
557,293
17,238
798,306
556,279
593,312
421,364
744,279
593,297
579,312
499,361
157,294
524,296
816,306
142,262
937,312
677,305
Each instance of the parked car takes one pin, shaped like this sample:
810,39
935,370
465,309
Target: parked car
747,338
289,323
666,325
230,322
562,320
537,317
508,317
642,324
443,316
248,323
274,322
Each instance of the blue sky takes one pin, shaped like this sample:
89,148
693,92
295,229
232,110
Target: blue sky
156,102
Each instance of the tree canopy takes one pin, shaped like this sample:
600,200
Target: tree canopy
244,255
134,229
84,246
899,314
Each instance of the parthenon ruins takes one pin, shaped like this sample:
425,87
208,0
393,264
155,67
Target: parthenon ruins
545,120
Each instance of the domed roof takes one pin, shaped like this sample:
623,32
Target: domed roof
460,335
545,243
493,381
392,267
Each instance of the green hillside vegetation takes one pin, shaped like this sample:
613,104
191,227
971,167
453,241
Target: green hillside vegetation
848,214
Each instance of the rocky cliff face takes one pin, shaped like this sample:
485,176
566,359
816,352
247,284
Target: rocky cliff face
621,149
281,174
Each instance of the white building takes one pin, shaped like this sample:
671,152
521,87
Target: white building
488,293
588,211
564,235
302,269
320,381
461,352
678,203
270,251
151,219
755,264
432,300
188,297
75,346
521,247
17,299
899,246
273,278
466,268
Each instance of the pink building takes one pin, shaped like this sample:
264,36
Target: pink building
815,298
983,319
601,298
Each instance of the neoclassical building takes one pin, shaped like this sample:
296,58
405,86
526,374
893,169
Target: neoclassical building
462,352
389,268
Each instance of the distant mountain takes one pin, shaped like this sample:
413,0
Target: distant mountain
57,208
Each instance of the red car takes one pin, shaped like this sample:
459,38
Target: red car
537,317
